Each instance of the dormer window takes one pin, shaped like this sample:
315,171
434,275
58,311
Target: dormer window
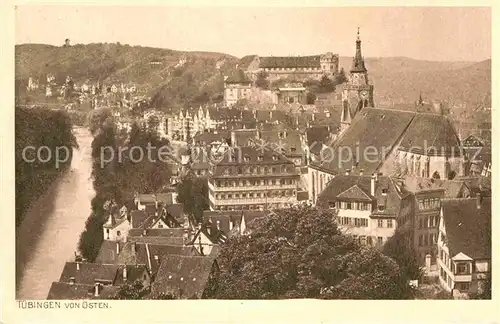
275,158
381,207
384,191
246,158
260,158
293,149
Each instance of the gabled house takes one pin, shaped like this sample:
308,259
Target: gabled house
464,245
369,208
116,227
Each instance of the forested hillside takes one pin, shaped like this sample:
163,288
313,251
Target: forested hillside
34,129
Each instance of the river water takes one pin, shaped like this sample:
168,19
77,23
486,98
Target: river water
48,236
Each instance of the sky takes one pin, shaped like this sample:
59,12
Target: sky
428,33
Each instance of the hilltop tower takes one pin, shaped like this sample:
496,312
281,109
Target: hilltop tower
358,92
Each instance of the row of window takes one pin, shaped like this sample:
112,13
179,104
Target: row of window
381,223
258,170
251,207
244,195
353,221
252,182
427,239
351,205
370,240
428,222
429,203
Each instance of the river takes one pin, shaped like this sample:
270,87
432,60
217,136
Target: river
48,236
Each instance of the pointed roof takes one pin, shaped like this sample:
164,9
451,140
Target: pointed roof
358,63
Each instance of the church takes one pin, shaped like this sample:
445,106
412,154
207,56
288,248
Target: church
391,142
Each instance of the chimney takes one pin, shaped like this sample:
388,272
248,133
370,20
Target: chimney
233,138
231,224
96,289
313,117
144,232
361,172
125,273
372,184
218,224
78,266
71,280
134,247
347,171
479,200
117,248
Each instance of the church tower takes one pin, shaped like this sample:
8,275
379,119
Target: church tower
358,93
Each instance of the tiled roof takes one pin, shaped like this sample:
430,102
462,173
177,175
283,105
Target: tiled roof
290,62
134,272
248,155
468,229
184,276
108,253
136,253
376,128
209,137
238,77
138,217
163,198
88,273
433,133
224,219
66,291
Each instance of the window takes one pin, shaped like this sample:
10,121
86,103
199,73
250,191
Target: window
369,240
380,223
463,285
380,240
389,223
118,233
420,240
348,205
420,223
462,268
426,240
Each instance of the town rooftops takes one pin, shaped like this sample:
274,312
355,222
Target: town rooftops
109,251
245,61
150,254
468,226
185,277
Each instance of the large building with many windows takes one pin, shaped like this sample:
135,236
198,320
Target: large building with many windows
252,178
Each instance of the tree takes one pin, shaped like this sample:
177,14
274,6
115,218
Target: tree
326,85
310,98
132,291
340,77
301,253
399,248
262,81
192,192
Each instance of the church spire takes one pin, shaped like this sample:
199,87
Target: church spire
358,64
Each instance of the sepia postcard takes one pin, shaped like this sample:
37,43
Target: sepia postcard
290,163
